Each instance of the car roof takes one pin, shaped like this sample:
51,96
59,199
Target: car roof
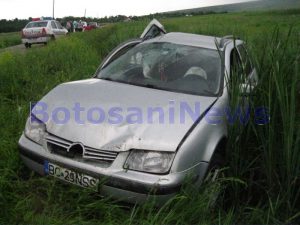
188,39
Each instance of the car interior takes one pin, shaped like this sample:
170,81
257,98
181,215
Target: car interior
168,66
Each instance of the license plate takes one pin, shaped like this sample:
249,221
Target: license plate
70,176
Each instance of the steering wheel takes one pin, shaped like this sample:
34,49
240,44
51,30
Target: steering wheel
194,77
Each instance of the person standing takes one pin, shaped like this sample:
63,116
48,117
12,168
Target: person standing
72,26
75,24
69,26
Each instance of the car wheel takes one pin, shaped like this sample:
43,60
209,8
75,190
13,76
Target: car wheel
215,166
214,173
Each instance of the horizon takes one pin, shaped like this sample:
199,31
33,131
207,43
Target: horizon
94,9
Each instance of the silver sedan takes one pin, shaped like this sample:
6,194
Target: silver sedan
152,115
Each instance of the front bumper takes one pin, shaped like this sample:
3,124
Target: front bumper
129,186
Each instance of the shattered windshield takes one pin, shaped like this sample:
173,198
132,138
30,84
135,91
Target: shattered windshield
168,66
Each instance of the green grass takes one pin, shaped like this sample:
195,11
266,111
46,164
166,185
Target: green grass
9,39
263,161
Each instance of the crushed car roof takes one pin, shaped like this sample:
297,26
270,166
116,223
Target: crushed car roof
188,39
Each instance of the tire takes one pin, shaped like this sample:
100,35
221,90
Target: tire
215,165
52,38
213,174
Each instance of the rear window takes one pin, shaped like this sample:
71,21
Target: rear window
37,24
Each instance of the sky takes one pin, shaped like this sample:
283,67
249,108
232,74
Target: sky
23,9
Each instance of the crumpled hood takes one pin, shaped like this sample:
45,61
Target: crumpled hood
125,124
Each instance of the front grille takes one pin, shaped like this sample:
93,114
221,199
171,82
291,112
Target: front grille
56,149
60,146
92,153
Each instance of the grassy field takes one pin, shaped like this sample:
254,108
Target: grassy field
9,39
263,171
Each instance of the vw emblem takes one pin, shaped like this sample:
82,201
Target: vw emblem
76,148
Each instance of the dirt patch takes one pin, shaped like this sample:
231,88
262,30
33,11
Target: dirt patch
20,48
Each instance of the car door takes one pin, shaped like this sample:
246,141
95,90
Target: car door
54,29
236,68
60,29
153,30
248,67
242,69
238,88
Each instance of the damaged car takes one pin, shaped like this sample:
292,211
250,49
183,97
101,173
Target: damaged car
150,117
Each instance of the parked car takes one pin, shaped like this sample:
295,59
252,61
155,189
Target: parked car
124,128
41,32
81,26
91,26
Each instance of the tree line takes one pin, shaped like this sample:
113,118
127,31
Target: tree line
18,24
13,25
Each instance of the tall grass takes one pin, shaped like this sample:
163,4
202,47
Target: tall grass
268,157
280,140
9,39
263,161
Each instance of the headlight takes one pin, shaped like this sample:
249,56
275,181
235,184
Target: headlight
149,161
35,129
